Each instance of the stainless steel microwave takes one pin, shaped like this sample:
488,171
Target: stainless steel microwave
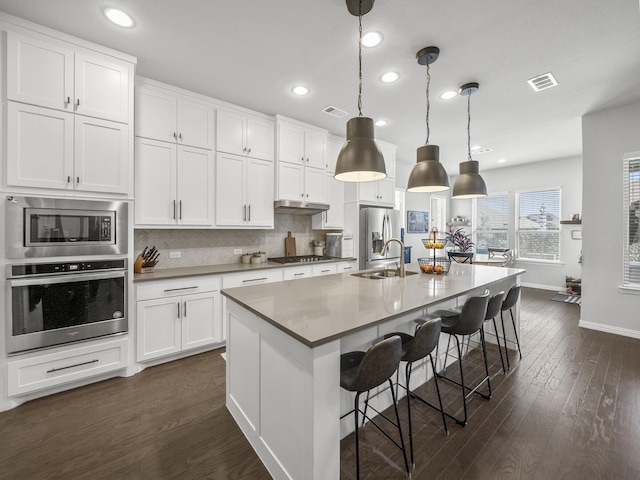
52,227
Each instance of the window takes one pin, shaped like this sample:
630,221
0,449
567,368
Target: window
631,195
439,213
491,221
399,204
538,225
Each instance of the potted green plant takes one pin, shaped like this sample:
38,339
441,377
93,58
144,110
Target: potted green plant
459,239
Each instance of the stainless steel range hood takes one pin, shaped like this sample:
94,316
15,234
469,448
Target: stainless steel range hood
292,207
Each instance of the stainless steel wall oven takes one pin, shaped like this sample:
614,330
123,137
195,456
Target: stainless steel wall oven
56,303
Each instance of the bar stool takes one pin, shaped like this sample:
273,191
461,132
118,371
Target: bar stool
415,348
468,321
510,302
362,371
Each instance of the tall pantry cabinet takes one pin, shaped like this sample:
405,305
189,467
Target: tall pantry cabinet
69,111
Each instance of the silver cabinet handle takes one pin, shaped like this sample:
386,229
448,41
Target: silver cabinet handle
347,268
166,290
307,195
249,150
244,218
77,179
174,209
302,158
298,274
71,366
302,195
249,212
178,304
307,159
185,309
175,135
244,149
324,271
180,136
254,280
68,102
77,103
180,204
69,179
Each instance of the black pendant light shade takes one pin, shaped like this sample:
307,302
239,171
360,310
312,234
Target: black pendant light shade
428,174
469,183
360,159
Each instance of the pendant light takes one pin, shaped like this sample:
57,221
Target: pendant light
469,183
360,159
428,174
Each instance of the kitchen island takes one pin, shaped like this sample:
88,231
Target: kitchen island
284,345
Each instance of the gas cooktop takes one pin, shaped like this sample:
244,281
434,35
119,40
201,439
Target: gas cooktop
300,259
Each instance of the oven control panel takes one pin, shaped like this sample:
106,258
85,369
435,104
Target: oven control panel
65,267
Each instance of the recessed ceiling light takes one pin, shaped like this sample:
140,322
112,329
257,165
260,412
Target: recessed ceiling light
502,160
380,123
300,90
119,17
476,147
448,95
371,39
390,77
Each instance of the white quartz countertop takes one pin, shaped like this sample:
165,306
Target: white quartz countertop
320,309
168,273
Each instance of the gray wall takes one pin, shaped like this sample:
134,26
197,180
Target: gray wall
606,136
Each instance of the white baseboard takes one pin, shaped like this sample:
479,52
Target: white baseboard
543,287
625,332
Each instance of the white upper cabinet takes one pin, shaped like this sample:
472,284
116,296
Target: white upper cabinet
174,184
334,145
53,74
301,145
242,133
389,153
332,219
169,116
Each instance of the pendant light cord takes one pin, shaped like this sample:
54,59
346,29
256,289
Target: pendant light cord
469,125
428,105
360,58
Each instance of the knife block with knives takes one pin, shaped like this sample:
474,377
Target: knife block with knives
146,260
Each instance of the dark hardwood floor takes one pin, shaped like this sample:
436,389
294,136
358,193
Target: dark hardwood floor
570,409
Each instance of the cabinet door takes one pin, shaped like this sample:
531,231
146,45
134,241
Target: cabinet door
39,147
314,148
368,192
334,145
291,144
102,87
231,129
101,155
260,138
230,204
201,320
39,72
314,185
386,191
259,192
290,181
295,273
389,153
334,217
158,331
155,190
156,112
195,185
195,123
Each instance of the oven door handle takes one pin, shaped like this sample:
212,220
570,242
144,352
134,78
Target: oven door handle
65,278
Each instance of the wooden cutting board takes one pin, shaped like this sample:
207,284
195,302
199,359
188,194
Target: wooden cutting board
289,245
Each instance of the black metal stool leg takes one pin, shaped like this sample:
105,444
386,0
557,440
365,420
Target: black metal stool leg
504,336
435,379
464,393
486,363
408,378
515,332
495,329
404,450
355,413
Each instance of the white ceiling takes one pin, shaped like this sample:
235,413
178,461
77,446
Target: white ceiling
251,52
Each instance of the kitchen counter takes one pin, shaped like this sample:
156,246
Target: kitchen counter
172,273
283,354
320,309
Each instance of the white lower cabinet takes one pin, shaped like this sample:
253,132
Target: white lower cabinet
344,267
177,316
294,273
324,269
61,365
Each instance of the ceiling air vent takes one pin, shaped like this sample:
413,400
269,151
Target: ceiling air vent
542,82
334,112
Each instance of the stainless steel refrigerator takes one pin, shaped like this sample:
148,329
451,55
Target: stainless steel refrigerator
377,225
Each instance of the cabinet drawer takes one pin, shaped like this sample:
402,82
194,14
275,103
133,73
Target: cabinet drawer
293,273
253,278
66,365
325,269
170,288
347,266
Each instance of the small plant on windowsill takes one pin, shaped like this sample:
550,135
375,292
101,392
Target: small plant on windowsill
461,241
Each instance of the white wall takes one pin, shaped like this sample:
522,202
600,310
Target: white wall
606,136
565,173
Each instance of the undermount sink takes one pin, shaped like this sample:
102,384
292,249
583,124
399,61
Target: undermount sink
384,273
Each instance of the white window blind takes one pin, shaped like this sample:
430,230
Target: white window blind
538,227
631,208
491,222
